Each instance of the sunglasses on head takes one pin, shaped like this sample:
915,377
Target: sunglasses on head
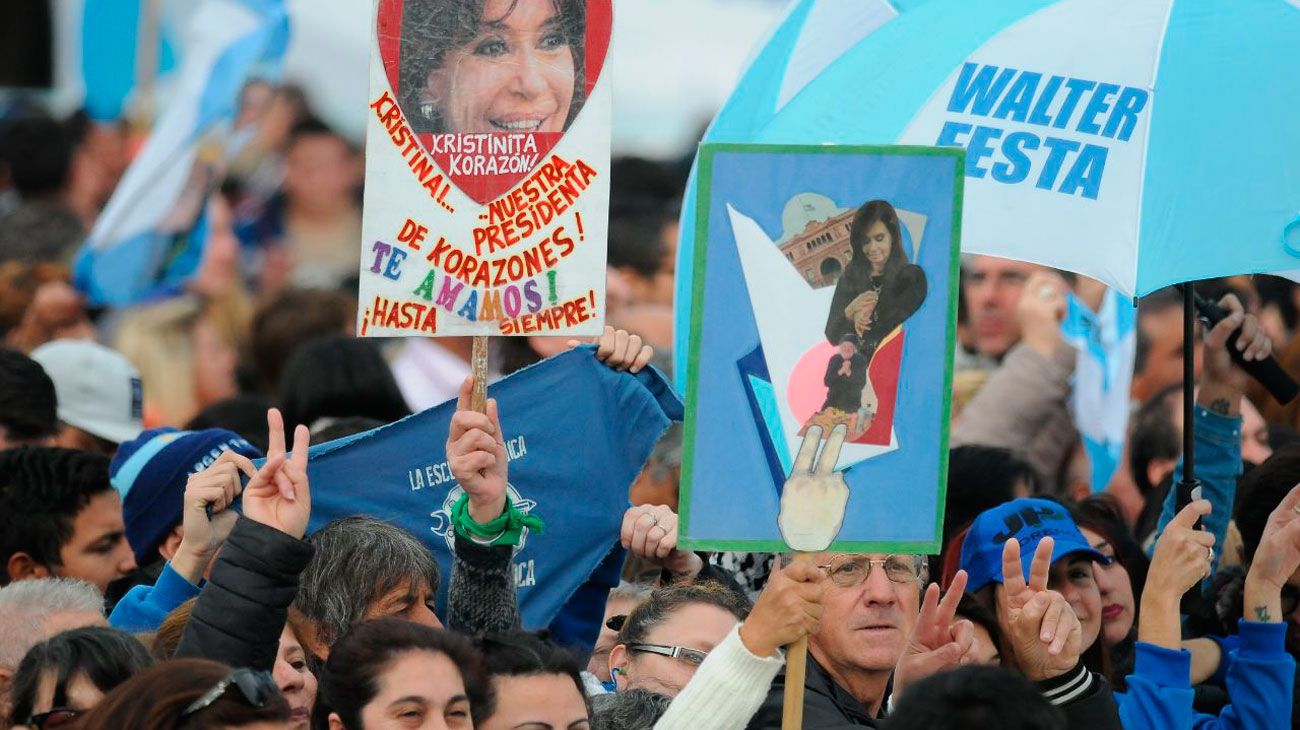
56,718
615,623
257,689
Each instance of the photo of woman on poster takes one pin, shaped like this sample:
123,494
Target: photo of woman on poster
474,66
879,288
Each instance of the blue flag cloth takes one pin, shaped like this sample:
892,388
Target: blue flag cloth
577,434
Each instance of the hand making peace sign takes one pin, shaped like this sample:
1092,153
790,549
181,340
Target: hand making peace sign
1044,631
278,495
814,497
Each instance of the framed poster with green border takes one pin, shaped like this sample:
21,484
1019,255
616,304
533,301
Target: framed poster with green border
824,310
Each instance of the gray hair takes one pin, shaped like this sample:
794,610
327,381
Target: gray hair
633,709
357,561
25,604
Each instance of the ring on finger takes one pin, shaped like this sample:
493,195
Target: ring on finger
1209,554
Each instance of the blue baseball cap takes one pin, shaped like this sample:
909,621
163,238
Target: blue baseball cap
1028,521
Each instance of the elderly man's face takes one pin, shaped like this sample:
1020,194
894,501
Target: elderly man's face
865,626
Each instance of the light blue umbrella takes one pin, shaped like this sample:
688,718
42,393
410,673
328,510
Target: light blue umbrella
1139,142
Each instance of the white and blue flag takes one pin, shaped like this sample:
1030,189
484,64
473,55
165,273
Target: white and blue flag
1106,342
149,240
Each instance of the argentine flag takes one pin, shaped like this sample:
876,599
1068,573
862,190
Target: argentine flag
1106,342
150,237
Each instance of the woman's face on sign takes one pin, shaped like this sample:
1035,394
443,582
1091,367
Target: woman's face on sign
516,75
878,244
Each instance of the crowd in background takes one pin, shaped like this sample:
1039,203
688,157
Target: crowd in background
133,595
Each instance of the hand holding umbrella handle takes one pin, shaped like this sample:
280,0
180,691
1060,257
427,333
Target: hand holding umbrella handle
1268,372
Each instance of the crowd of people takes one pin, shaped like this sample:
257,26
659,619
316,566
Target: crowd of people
156,569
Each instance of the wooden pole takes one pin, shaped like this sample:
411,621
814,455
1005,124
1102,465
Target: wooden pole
479,369
148,40
796,666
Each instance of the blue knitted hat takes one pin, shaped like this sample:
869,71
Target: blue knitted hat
150,473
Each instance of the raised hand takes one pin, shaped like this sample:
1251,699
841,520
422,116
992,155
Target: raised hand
476,453
621,350
814,497
1040,310
788,609
1183,554
1223,383
650,532
1276,560
279,495
206,519
1182,558
938,641
1043,630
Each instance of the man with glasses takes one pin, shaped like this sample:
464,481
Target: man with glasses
872,607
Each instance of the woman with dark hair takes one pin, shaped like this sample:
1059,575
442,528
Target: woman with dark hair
391,673
192,694
68,674
336,377
1121,579
473,66
879,288
534,683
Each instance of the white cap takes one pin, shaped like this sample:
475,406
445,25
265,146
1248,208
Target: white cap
98,389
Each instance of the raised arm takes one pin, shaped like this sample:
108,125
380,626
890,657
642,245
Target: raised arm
1217,419
242,609
482,595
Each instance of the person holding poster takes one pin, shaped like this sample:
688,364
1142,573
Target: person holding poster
476,66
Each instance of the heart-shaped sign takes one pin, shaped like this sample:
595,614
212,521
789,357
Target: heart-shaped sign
489,87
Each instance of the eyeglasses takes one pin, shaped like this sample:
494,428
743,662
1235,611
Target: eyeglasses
56,718
849,572
690,656
257,688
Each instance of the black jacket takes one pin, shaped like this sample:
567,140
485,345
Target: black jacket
845,392
1085,698
901,293
240,613
826,705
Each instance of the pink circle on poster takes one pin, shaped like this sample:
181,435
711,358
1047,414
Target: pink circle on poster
806,392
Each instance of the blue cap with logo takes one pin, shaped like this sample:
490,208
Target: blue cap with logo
1027,520
150,474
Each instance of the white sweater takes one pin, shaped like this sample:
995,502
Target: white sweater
726,690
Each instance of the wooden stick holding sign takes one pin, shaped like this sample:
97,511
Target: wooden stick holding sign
478,365
812,511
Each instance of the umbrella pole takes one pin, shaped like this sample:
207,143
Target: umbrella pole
1189,392
1189,486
